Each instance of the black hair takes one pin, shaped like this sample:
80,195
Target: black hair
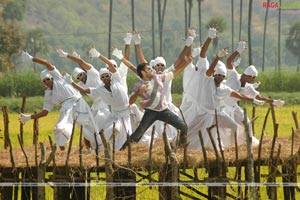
140,68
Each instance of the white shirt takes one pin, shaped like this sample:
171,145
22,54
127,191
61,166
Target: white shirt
117,98
233,81
60,92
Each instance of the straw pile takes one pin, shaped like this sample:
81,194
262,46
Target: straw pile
140,155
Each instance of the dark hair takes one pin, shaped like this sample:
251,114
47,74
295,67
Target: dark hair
140,68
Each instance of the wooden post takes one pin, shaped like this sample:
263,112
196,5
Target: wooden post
6,129
250,162
22,110
169,173
41,170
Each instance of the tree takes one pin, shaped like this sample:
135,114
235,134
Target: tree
249,32
279,24
11,41
35,43
220,24
293,41
264,37
13,10
232,25
161,17
110,27
241,17
200,19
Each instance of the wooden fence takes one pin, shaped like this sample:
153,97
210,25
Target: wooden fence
174,171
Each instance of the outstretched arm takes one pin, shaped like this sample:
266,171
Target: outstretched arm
26,56
127,40
242,46
212,33
187,50
75,58
25,117
212,66
118,54
137,44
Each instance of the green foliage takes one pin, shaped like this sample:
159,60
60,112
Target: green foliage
293,40
14,10
283,81
17,85
218,22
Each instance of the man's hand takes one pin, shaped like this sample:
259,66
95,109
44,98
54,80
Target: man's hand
61,52
136,38
256,84
212,33
237,62
223,52
196,52
68,78
26,56
258,102
278,102
242,47
24,118
127,38
189,41
117,53
94,53
75,54
192,32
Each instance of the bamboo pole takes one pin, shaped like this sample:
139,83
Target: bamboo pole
6,125
22,110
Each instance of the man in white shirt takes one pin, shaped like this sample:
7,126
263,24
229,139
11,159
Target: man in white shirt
88,76
243,83
212,93
113,93
60,92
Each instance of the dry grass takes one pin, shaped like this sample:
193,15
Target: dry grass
140,155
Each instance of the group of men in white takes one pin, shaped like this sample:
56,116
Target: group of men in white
208,98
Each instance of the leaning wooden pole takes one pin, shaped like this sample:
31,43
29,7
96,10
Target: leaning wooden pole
250,161
108,167
6,129
22,110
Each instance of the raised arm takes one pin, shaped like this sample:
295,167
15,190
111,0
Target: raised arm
212,33
26,57
242,46
187,50
127,40
75,58
212,66
137,44
118,54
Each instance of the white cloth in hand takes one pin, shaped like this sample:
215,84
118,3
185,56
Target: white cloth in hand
68,78
196,52
26,56
127,38
94,53
212,33
258,102
278,102
61,52
137,38
24,118
75,54
242,46
256,84
223,53
118,53
237,62
189,41
192,33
